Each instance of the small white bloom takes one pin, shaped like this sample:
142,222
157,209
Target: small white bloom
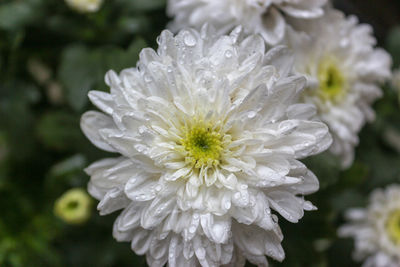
263,17
85,5
209,138
376,229
344,70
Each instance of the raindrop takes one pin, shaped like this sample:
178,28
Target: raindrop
147,78
189,39
227,205
163,236
158,188
192,229
228,53
251,114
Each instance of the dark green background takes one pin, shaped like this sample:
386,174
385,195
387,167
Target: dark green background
43,152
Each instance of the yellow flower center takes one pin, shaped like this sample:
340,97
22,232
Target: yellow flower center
331,80
393,226
203,144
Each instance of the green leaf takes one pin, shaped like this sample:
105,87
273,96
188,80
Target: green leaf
15,14
71,164
326,167
77,74
355,175
393,45
60,131
348,199
143,5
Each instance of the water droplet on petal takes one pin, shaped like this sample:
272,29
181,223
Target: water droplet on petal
158,188
251,114
192,229
227,205
228,53
189,39
147,78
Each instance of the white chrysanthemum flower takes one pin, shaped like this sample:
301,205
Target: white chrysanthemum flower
264,17
376,229
343,69
85,5
209,138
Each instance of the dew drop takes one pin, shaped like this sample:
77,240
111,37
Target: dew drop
189,39
251,114
158,188
227,205
163,236
192,229
228,53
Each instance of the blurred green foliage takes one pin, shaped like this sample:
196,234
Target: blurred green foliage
50,57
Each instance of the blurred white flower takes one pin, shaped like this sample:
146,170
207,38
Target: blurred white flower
85,5
344,71
265,17
376,229
209,138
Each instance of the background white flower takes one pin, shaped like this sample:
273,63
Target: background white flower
376,229
85,5
343,70
209,138
265,17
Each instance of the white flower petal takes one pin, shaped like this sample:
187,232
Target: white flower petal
91,124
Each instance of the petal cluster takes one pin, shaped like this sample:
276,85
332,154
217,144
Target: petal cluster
376,229
264,17
209,136
343,71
